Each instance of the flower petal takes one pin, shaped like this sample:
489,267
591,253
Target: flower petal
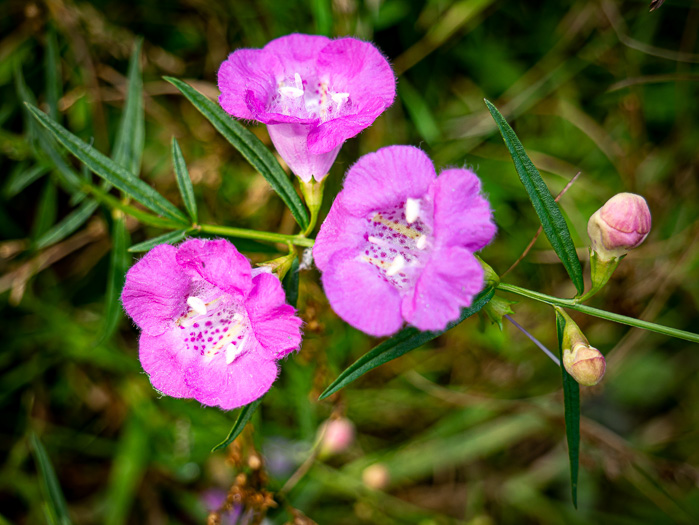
291,141
448,283
340,230
155,290
360,296
298,52
214,383
332,133
218,262
245,80
164,360
462,216
273,322
384,179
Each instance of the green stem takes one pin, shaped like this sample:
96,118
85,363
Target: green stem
602,314
241,233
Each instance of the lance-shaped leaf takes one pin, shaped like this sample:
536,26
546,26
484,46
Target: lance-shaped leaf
118,264
291,283
130,140
184,182
403,342
550,216
250,147
243,417
109,170
571,402
67,225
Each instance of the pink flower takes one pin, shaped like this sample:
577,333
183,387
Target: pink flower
312,92
398,243
212,328
619,226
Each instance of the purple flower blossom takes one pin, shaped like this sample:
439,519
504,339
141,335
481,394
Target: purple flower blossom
398,242
212,328
312,92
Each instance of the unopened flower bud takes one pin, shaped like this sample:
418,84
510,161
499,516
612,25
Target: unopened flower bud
336,435
585,363
620,225
376,476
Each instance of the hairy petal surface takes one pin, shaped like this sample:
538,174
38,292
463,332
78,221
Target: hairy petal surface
155,290
447,284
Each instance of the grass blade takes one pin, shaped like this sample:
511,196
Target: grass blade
167,238
46,210
130,140
49,482
403,342
68,225
118,264
250,147
52,66
550,216
571,402
20,178
184,182
110,170
243,417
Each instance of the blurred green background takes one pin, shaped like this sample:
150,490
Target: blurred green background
468,428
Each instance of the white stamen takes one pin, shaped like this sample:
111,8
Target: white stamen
298,81
412,210
421,242
377,241
396,266
339,99
291,92
232,351
197,305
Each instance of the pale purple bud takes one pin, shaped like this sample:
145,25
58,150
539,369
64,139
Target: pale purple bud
620,225
585,363
337,435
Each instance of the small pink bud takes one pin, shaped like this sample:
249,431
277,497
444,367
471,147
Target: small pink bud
620,225
585,363
337,435
376,476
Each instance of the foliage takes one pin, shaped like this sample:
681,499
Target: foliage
470,427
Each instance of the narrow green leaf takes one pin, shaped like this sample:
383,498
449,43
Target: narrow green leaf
68,225
550,216
47,209
250,147
20,178
291,283
118,264
52,68
571,402
130,140
243,417
49,482
184,182
403,342
167,238
109,170
143,216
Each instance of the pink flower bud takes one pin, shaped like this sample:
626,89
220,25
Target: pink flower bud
337,436
585,363
620,225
